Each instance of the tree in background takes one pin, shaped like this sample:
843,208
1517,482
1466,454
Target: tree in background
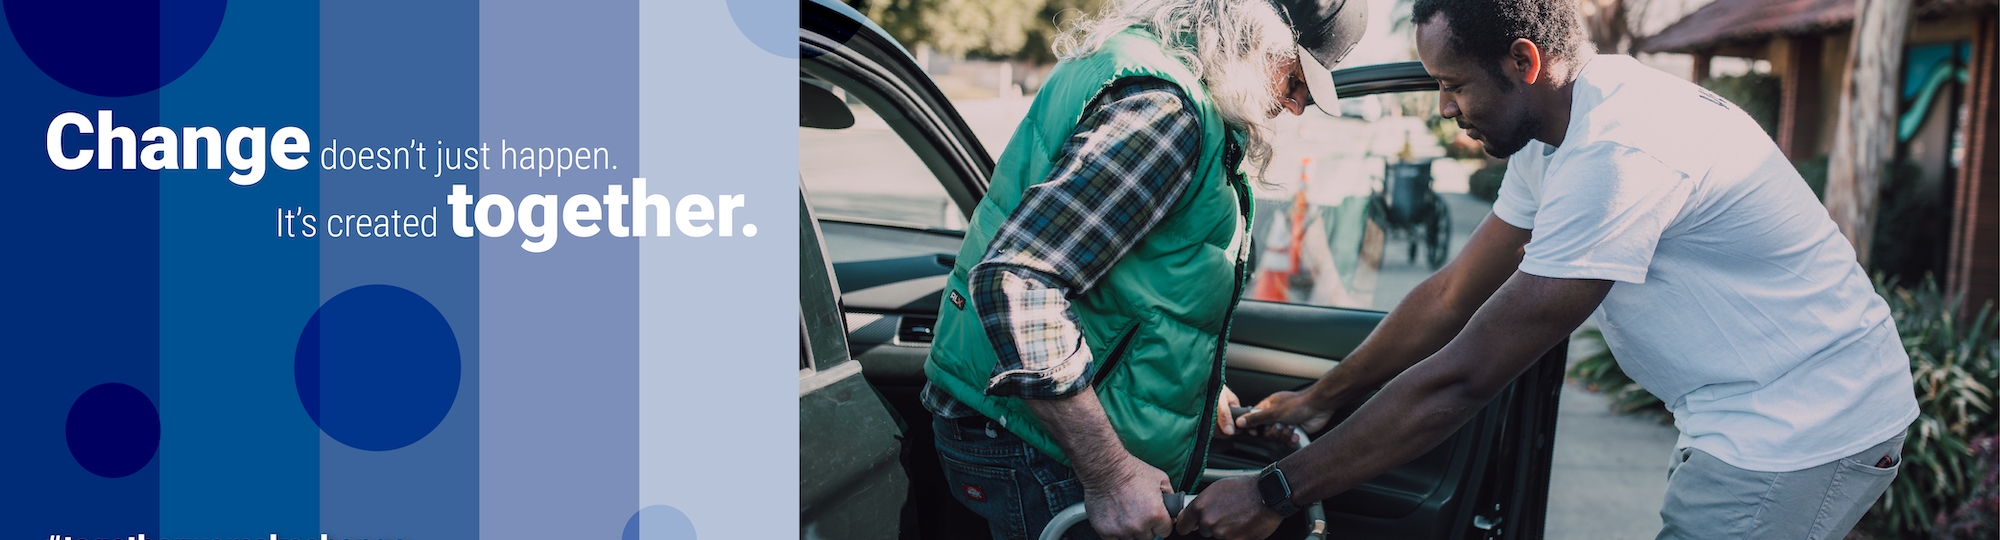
1021,29
1058,14
1865,134
1614,25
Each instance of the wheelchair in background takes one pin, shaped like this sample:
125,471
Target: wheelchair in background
1407,206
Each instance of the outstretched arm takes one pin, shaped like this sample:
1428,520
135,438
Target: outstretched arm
1417,409
1434,312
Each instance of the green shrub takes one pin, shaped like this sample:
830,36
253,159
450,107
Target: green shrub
1485,182
1953,363
1979,518
1757,94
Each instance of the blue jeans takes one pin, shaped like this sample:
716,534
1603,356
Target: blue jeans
1017,488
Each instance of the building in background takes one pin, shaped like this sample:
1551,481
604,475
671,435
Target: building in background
1945,127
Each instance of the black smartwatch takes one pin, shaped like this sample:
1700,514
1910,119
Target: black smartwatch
1277,493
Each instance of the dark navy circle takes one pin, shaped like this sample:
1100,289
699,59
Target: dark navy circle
113,430
377,367
115,48
662,522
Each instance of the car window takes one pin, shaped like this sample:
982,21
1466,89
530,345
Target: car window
867,173
1357,209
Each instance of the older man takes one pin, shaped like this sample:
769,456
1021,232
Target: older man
1079,347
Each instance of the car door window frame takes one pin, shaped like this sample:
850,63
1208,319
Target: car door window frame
912,106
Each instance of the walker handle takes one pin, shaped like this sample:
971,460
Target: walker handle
1074,515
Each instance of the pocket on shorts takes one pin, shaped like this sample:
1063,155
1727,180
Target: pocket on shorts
1857,483
991,492
1869,469
1864,463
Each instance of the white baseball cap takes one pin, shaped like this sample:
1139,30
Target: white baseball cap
1326,31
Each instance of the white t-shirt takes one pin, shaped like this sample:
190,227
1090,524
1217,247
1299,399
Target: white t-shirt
1737,300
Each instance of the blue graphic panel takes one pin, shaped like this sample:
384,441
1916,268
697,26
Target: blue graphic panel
204,338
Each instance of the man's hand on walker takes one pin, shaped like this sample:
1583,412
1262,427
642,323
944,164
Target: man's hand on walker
1230,508
1125,503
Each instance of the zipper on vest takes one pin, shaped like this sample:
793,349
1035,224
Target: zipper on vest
1117,353
1198,456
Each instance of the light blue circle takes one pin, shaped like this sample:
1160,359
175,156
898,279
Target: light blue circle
660,522
776,30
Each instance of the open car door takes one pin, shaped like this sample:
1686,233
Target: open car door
893,172
1331,262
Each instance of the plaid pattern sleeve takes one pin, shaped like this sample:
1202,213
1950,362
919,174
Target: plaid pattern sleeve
1121,169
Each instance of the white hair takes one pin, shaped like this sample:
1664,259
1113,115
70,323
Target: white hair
1232,45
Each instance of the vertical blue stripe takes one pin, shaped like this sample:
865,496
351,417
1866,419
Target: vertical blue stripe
390,73
558,330
82,303
241,458
719,315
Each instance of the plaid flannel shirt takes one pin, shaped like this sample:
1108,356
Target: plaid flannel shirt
1124,165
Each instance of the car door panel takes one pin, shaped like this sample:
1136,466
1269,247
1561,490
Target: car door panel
861,494
851,479
1310,330
889,347
1283,369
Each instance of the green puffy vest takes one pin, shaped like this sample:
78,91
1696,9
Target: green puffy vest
1157,322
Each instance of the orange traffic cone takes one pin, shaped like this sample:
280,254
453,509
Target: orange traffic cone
1275,285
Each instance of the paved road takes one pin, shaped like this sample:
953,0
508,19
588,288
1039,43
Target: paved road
1610,470
1399,274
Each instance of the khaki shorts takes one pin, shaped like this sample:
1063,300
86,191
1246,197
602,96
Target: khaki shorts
1707,498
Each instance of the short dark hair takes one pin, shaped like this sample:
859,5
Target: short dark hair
1486,29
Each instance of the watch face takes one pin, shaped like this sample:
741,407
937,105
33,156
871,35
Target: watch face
1276,491
1271,484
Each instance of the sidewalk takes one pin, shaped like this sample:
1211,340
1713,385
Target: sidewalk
1609,472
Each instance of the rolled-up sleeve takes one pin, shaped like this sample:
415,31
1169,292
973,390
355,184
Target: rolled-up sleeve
1121,170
